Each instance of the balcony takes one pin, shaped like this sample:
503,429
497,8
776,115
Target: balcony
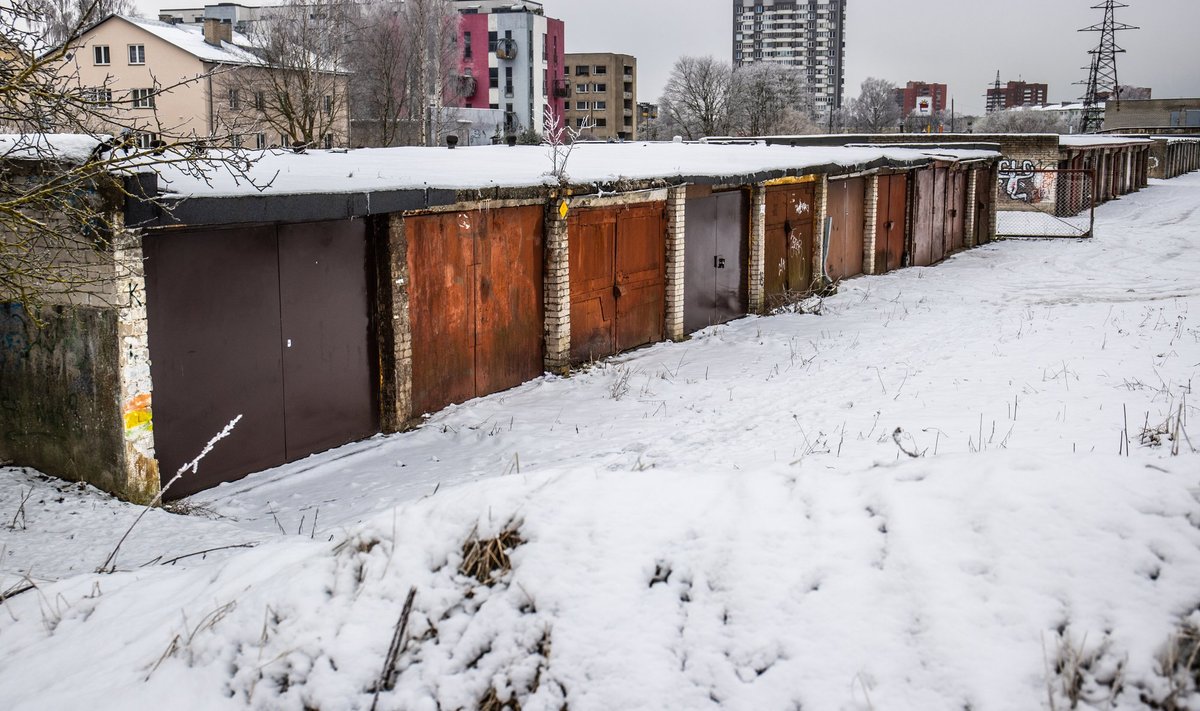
465,86
628,96
561,88
506,48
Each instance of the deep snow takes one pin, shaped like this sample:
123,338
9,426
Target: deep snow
728,522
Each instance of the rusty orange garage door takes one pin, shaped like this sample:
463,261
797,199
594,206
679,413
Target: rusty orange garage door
788,243
844,257
618,277
270,323
475,303
892,212
956,211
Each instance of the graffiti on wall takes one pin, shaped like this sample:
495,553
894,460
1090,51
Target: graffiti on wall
1017,180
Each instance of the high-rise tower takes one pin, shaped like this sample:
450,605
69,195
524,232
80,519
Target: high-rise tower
810,34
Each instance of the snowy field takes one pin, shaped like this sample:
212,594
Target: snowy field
963,487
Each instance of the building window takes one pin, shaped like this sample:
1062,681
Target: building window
466,45
260,141
601,70
581,88
601,88
328,105
581,105
147,140
493,39
235,141
142,98
582,71
100,54
98,96
494,77
137,54
328,141
234,103
600,105
260,100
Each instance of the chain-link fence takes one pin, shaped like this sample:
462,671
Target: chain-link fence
1044,202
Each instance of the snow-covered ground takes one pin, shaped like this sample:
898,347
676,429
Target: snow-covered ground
732,522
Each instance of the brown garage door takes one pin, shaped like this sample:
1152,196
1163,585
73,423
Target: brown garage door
715,257
941,184
985,203
956,215
788,243
267,322
892,210
618,277
844,257
475,303
923,228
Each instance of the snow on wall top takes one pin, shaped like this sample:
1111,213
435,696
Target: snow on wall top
375,169
68,147
190,38
1089,141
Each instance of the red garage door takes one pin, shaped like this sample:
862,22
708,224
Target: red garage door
788,243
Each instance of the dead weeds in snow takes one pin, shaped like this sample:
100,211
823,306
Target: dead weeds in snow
487,559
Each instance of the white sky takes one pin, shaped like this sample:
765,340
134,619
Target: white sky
957,42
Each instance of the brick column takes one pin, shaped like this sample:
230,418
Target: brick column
871,210
972,198
395,329
994,186
820,212
755,278
141,478
676,229
557,291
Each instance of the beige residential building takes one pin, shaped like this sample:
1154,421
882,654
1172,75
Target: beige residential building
174,82
603,91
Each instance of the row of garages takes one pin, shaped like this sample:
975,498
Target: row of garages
326,332
1173,156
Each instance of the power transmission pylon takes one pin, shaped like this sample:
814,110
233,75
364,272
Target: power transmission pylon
1103,74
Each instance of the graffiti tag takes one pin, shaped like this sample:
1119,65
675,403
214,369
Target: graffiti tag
1017,179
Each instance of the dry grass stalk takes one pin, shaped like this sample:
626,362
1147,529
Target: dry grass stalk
488,559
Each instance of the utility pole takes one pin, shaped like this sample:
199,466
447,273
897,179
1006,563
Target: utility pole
1102,76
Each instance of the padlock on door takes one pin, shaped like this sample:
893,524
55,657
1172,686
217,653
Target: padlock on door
718,262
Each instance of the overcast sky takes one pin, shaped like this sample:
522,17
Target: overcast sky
956,42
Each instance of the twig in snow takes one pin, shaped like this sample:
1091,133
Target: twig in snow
880,376
896,438
110,562
902,382
387,677
176,559
20,514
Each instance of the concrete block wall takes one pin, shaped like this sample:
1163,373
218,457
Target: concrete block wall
676,229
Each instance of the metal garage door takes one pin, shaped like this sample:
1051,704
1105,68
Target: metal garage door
788,243
844,257
475,303
618,278
267,322
985,203
956,216
715,257
892,211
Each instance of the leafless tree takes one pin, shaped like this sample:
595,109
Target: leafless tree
1022,121
58,19
64,157
405,65
875,110
771,99
299,86
696,98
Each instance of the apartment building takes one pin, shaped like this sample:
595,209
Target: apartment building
810,34
603,97
512,59
1015,94
921,98
171,82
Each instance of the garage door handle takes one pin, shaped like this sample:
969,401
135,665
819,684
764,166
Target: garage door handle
889,225
718,262
618,290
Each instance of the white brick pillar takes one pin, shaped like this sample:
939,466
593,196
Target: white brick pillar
755,280
820,212
141,468
676,230
972,195
395,326
557,289
871,210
